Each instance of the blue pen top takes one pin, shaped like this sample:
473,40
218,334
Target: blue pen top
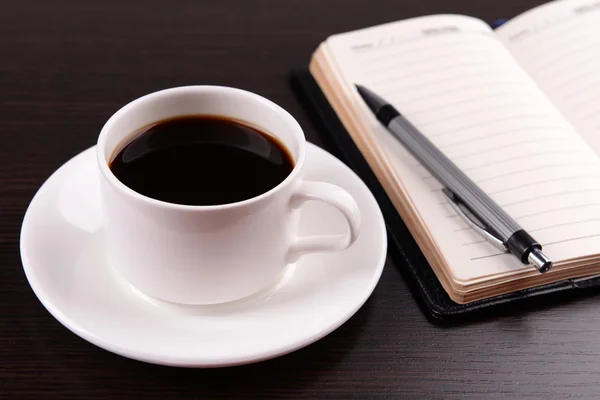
499,22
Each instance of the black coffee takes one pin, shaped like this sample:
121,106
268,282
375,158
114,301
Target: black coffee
202,160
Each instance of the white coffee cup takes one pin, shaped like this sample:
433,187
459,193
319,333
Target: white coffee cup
211,254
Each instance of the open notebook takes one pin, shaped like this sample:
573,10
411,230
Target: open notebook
518,109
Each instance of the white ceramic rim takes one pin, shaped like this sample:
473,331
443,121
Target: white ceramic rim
204,89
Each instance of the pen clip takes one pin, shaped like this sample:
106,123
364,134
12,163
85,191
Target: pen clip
473,221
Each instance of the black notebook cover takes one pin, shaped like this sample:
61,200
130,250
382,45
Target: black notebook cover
406,254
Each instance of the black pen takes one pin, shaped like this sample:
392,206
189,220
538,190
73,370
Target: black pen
486,217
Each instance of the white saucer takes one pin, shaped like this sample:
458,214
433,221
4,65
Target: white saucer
61,247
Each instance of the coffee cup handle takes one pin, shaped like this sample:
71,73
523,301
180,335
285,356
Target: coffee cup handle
338,198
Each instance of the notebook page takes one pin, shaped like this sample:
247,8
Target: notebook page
559,46
459,85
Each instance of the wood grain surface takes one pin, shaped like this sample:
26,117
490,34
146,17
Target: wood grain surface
67,65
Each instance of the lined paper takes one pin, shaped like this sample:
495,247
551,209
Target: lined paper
558,44
459,85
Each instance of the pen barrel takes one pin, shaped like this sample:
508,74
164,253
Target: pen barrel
450,176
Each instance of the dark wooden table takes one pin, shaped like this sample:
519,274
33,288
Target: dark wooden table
67,65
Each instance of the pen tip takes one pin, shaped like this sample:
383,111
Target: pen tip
373,101
362,91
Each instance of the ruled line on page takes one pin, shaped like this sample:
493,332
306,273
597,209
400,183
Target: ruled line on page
544,228
533,199
556,25
557,61
571,239
592,71
522,156
504,160
545,46
473,243
455,215
543,245
400,59
466,228
387,89
490,255
583,221
454,90
541,167
474,112
520,171
488,122
504,147
565,67
403,42
538,27
492,135
542,48
437,57
370,47
436,43
590,115
579,191
578,206
588,106
457,103
530,184
586,100
544,182
389,80
576,91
